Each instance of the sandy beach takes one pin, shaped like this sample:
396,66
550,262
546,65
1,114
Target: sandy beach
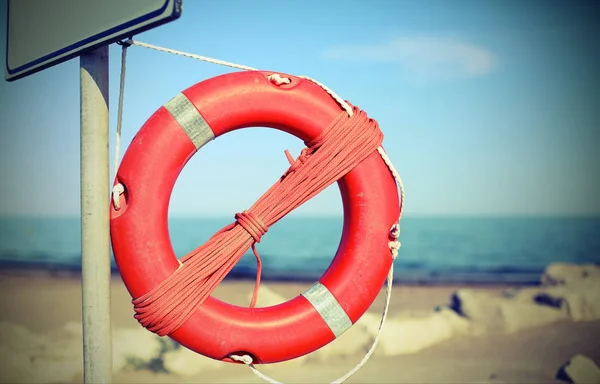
43,304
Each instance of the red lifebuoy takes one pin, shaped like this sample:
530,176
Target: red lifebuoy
140,236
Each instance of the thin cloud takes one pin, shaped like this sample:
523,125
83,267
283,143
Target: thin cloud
428,58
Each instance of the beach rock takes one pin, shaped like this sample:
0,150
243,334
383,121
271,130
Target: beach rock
423,333
55,370
136,348
27,357
405,334
534,295
518,316
184,362
18,338
402,334
580,369
511,312
62,348
56,357
580,301
23,367
482,308
562,273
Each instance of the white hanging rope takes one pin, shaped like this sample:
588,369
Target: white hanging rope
120,106
190,55
118,189
277,79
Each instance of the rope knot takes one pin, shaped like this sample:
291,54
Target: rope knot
277,79
294,164
125,43
252,224
395,231
246,359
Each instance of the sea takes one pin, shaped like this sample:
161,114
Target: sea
435,250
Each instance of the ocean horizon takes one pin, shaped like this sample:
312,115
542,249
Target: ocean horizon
436,249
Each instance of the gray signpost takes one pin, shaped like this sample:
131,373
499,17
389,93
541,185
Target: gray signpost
41,34
95,252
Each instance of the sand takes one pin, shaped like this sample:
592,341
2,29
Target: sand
44,303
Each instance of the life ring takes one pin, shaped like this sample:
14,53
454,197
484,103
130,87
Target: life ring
140,236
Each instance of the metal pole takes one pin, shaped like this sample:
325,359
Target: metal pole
95,243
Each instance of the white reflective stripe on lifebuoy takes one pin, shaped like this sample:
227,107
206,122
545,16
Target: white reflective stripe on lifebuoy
190,120
328,307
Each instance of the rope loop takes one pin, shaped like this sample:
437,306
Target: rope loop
252,224
277,79
117,190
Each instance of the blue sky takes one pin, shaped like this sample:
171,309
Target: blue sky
487,107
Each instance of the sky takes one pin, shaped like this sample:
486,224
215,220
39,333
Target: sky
487,107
